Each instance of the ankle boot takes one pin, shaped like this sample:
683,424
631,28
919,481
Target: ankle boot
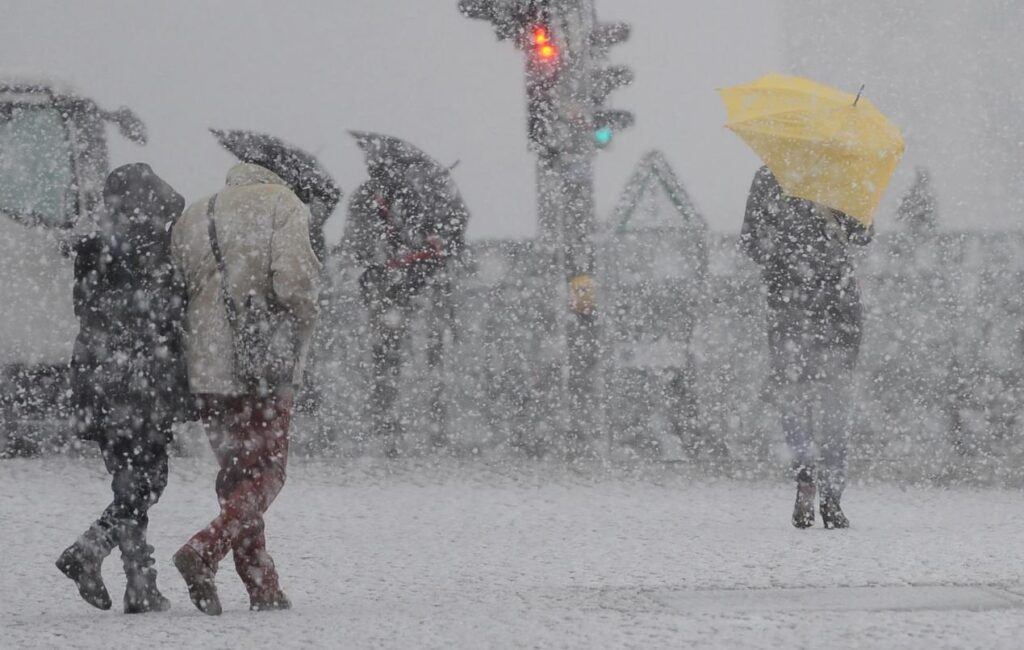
82,563
832,515
803,509
140,594
199,577
266,602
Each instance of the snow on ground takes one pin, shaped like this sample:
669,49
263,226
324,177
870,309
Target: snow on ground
470,555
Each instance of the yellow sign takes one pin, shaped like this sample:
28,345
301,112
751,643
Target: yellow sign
582,295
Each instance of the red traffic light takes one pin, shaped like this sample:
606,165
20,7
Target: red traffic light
543,47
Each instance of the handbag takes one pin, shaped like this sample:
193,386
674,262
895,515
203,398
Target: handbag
252,330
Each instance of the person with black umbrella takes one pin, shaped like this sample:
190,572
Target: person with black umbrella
405,224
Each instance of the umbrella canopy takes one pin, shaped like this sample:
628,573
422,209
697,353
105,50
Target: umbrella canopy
389,151
300,170
821,144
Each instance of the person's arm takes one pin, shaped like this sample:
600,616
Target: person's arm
172,380
87,267
755,237
442,218
432,252
364,226
172,319
294,271
856,232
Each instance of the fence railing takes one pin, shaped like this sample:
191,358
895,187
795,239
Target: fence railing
684,357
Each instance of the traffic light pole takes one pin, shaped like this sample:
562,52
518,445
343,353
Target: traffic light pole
566,211
565,91
565,198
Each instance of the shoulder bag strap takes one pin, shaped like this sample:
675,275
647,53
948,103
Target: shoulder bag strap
229,302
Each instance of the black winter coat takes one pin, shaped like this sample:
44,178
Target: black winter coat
405,229
128,368
815,319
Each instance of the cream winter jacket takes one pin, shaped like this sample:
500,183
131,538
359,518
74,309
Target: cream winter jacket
263,231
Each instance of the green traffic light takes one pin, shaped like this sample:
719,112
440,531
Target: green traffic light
603,136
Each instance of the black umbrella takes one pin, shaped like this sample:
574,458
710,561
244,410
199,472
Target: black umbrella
300,170
442,211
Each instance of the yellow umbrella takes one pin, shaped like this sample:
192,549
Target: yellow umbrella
822,144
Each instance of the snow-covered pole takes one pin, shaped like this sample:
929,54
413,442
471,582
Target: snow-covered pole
566,124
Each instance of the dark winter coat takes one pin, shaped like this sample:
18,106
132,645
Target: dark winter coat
404,224
815,319
128,368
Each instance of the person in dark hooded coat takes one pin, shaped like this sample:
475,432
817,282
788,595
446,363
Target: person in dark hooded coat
815,324
129,379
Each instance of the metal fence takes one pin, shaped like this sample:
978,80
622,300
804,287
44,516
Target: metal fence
684,357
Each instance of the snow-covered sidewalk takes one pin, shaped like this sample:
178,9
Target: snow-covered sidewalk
458,555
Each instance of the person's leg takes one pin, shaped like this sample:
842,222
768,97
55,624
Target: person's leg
796,405
82,561
795,402
265,462
149,478
387,324
223,418
197,560
834,419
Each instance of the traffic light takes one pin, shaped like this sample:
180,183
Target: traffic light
527,23
568,79
542,62
605,79
544,48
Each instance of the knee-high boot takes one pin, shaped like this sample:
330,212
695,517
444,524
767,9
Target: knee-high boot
141,593
83,560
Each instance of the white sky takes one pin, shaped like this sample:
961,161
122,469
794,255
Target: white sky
308,70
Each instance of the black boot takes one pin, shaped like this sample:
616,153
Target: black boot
803,509
82,562
276,600
199,577
141,594
831,514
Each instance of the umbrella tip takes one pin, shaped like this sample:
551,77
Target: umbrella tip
857,98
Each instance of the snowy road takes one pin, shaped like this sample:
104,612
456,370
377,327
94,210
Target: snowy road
469,556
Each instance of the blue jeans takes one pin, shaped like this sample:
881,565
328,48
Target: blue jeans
818,411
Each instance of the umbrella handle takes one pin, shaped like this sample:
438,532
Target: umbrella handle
857,98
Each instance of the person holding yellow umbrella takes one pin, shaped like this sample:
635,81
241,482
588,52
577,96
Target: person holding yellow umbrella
828,158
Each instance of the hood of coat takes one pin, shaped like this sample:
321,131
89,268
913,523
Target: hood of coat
250,174
139,208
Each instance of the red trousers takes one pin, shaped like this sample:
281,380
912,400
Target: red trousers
249,437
